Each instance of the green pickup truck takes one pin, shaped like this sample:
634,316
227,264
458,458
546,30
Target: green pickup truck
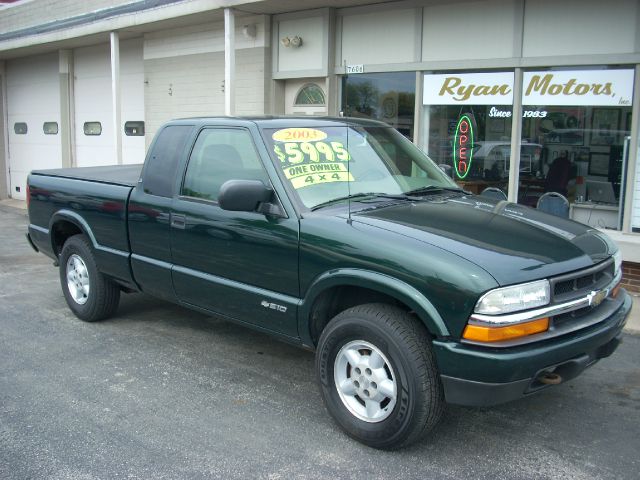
340,236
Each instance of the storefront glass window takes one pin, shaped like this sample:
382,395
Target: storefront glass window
576,123
467,127
389,97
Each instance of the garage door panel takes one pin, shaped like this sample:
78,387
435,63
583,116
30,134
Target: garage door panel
92,89
33,97
132,91
94,103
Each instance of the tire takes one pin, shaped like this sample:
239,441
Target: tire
404,397
90,295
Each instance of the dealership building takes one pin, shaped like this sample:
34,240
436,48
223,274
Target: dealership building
524,96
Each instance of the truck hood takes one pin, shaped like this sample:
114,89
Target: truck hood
511,242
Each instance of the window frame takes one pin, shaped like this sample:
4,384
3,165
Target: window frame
207,201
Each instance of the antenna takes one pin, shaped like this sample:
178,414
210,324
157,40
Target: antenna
348,180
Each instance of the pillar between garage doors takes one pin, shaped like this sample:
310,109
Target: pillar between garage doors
4,134
116,96
67,121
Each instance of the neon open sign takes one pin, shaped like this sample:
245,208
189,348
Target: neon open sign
463,146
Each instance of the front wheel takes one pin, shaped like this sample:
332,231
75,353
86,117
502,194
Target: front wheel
378,376
90,295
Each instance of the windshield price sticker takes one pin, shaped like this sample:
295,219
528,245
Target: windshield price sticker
308,157
301,170
305,152
310,173
315,178
299,135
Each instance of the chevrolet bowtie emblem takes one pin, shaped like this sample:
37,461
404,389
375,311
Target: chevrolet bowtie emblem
596,298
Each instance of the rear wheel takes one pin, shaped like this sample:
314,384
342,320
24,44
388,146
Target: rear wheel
90,295
378,376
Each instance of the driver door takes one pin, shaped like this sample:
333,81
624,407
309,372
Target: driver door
243,265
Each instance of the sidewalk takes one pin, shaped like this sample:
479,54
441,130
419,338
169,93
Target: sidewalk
633,323
10,202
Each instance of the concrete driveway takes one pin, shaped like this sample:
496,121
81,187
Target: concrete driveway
163,392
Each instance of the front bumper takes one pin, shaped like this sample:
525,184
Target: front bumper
483,376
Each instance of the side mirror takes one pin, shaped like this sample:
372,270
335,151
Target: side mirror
243,195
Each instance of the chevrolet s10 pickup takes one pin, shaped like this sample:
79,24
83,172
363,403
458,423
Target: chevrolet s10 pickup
340,236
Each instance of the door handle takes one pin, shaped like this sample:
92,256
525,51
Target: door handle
178,221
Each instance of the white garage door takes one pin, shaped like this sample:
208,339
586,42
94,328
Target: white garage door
33,107
93,119
132,109
93,107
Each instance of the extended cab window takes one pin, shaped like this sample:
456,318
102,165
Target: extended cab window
221,154
160,169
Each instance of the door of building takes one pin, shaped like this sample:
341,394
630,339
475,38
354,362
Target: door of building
33,114
305,96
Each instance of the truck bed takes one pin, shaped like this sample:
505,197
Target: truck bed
125,175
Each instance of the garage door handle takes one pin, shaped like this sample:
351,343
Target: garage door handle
178,221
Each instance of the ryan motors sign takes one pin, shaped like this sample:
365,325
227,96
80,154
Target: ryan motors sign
566,87
469,89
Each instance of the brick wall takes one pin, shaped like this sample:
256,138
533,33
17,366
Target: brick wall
631,277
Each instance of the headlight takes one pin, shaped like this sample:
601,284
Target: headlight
617,261
514,298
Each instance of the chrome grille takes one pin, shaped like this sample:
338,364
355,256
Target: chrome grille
578,284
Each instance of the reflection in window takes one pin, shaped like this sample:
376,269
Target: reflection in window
134,129
50,128
20,128
389,97
310,94
92,128
581,156
483,156
220,155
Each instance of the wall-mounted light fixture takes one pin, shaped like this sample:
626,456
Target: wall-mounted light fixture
293,42
249,31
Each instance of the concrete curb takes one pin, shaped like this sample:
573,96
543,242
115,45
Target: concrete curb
633,323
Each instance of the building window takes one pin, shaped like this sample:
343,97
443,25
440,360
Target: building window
578,120
50,128
134,129
92,128
389,97
467,129
20,128
310,94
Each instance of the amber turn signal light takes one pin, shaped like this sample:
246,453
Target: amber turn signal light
481,333
615,290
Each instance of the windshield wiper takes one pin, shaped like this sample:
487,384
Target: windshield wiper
432,189
375,195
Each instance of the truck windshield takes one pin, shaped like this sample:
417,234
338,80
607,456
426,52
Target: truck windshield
323,164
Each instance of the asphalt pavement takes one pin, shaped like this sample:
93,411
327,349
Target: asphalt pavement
161,392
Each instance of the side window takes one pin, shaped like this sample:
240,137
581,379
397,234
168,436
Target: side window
221,154
160,168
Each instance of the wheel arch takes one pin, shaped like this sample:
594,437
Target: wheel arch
340,289
65,224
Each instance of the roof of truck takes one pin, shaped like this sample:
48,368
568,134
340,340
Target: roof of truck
270,121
